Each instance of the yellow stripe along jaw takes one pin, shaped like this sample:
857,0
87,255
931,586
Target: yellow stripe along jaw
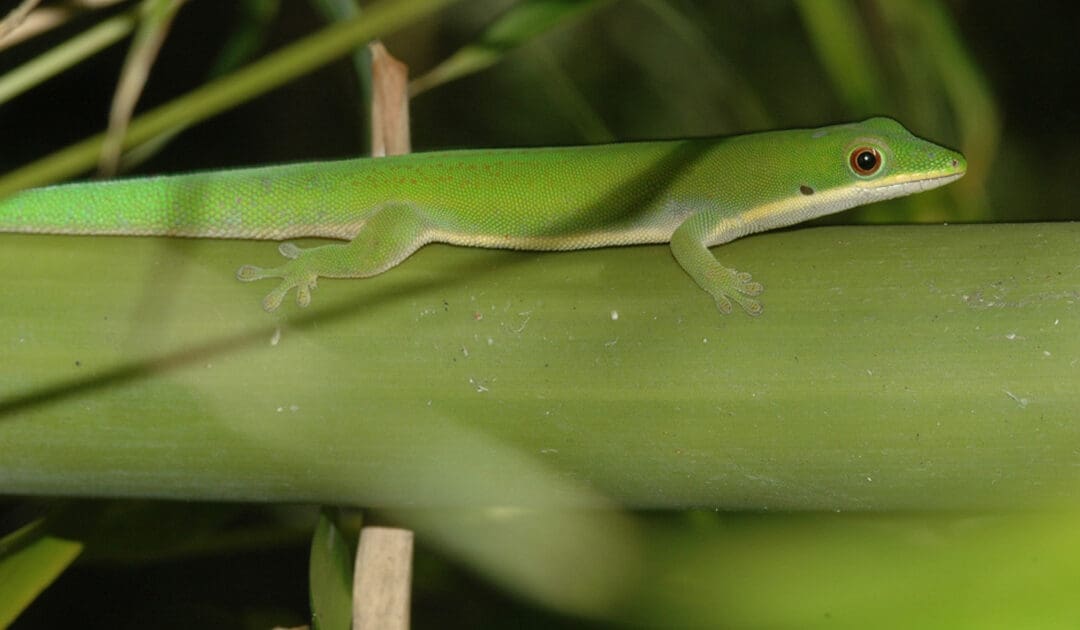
809,204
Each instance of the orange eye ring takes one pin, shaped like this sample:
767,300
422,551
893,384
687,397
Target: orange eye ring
865,161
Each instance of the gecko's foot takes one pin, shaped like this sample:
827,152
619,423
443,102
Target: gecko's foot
292,274
737,287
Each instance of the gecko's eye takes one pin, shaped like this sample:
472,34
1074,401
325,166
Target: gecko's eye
865,161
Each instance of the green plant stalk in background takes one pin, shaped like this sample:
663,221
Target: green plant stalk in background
220,94
64,56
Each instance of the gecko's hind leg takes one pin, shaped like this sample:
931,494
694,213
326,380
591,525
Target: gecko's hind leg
389,236
305,283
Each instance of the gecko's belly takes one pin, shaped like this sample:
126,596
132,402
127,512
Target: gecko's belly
555,242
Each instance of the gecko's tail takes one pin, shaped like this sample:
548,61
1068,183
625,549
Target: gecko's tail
186,205
263,203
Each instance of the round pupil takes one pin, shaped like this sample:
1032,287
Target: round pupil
866,160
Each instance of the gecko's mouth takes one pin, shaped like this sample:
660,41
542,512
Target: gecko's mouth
894,188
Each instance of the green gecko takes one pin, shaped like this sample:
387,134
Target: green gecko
694,193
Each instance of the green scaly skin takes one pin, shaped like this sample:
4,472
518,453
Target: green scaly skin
694,194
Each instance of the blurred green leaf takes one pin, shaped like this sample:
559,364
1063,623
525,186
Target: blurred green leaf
70,52
930,40
339,11
248,37
241,46
212,98
30,560
155,21
717,72
517,26
331,573
945,570
846,55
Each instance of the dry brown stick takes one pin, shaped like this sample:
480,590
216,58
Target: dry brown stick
383,579
389,103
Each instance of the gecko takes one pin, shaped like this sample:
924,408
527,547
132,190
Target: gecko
692,193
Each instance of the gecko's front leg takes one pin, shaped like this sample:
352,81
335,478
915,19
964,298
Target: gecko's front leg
689,245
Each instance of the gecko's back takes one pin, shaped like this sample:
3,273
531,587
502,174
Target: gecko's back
506,192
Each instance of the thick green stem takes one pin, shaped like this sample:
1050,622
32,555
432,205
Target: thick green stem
893,368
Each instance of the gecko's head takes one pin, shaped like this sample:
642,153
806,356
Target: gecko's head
822,171
879,159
